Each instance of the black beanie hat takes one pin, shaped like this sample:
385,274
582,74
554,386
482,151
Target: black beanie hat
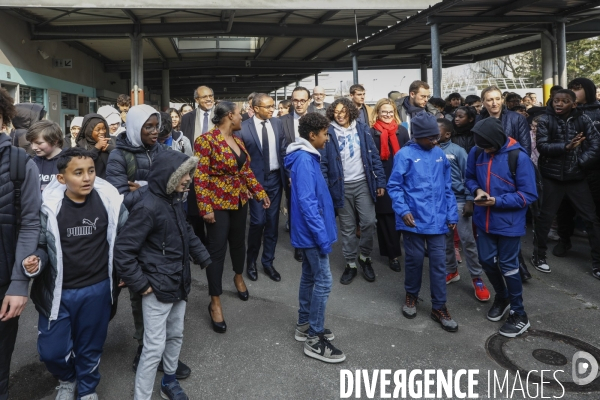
489,133
588,86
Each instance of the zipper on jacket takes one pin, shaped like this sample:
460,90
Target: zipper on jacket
487,212
164,243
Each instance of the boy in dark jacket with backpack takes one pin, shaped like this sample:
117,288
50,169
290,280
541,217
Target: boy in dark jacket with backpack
501,201
152,256
568,143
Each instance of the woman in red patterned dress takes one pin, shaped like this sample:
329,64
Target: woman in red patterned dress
224,183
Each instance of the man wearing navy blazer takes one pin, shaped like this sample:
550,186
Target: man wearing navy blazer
264,141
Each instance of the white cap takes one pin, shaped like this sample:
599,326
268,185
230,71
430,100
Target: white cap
77,121
110,114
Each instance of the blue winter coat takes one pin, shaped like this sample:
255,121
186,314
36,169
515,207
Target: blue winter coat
513,194
515,126
421,184
313,217
333,171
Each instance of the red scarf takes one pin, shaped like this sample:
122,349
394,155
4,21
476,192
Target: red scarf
388,134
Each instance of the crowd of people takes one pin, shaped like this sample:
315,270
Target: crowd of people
130,195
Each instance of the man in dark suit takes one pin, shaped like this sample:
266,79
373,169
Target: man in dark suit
194,124
300,104
263,138
318,104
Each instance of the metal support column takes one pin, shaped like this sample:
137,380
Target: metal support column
436,61
547,67
137,70
424,72
554,57
354,69
317,79
166,89
561,52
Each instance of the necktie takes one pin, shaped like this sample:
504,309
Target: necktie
205,123
265,148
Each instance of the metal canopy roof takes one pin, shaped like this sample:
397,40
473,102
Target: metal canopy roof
292,44
476,30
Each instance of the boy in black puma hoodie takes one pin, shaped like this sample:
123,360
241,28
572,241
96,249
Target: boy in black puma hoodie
152,256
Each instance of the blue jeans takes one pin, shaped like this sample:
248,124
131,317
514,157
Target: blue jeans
315,285
71,346
414,249
499,257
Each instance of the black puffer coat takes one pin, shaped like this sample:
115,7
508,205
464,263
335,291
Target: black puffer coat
154,246
116,170
463,136
27,115
553,135
515,126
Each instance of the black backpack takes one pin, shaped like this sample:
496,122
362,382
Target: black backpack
18,162
513,158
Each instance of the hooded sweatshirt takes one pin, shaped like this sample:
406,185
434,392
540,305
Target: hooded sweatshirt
155,245
131,142
86,141
313,216
349,143
112,116
48,169
27,115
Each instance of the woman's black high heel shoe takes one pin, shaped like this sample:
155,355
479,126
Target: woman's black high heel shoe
242,295
219,327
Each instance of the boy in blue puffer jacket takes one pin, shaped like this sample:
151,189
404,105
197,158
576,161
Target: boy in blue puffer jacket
421,191
313,230
501,202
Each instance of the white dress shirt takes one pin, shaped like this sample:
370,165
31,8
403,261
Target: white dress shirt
296,123
273,159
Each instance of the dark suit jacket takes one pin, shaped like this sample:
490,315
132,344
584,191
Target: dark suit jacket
251,140
287,122
188,123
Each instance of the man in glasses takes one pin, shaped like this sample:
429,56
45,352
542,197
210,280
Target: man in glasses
290,122
420,187
263,137
318,104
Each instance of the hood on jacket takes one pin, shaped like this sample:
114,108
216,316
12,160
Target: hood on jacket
27,115
340,129
77,121
167,169
87,127
588,87
489,132
110,114
299,144
136,118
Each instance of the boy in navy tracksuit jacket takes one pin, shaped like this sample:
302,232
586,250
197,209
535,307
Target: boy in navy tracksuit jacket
501,202
74,287
421,190
46,140
313,230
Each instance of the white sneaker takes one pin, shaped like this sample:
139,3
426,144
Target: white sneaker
553,235
91,396
66,390
540,264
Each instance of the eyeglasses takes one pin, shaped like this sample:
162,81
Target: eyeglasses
336,113
386,112
152,128
318,94
267,107
207,96
299,101
434,139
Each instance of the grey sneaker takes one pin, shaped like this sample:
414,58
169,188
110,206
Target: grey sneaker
443,317
319,347
91,396
302,333
66,390
409,309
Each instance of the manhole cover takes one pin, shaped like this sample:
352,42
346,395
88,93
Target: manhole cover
549,357
543,350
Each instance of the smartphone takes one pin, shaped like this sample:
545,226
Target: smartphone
482,199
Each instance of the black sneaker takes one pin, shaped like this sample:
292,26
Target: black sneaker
348,275
183,371
367,269
136,359
301,333
409,309
172,391
395,265
540,264
499,308
560,250
515,325
320,348
443,317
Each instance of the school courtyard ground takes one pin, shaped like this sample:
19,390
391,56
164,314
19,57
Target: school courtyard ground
258,357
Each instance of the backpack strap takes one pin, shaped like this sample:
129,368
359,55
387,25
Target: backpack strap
131,165
18,163
513,159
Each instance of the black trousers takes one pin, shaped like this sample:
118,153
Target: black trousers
229,227
387,236
566,213
8,337
578,192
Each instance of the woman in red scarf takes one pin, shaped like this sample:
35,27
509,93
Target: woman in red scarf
389,137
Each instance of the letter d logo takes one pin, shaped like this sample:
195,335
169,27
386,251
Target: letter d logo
585,368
